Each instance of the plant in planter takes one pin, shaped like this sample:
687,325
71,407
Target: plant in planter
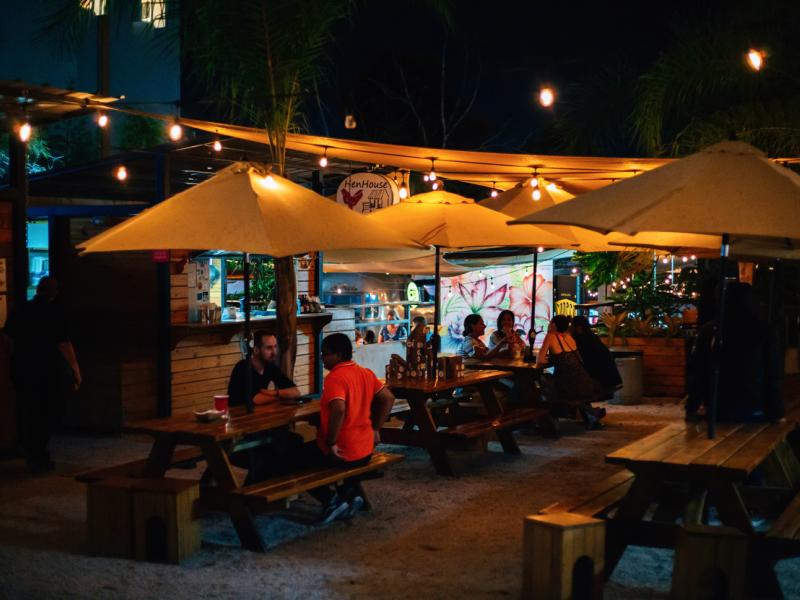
612,323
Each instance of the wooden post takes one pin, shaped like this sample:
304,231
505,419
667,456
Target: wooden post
563,557
163,317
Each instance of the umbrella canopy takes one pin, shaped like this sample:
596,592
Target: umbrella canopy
448,220
728,188
518,201
425,265
243,208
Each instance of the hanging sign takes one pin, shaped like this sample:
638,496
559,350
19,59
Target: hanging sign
367,192
412,294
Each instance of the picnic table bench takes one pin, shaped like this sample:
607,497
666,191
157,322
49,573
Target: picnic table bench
415,394
213,442
719,473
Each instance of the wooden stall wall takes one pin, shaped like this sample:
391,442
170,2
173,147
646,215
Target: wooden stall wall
8,428
201,364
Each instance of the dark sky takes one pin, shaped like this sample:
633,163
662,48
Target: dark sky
518,45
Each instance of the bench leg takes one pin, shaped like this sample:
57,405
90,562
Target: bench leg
160,456
493,407
427,428
363,494
245,525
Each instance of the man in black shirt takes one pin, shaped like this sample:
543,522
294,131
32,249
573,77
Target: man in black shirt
42,354
271,456
264,373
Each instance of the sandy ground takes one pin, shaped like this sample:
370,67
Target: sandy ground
428,536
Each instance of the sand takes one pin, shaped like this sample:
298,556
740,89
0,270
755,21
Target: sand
428,536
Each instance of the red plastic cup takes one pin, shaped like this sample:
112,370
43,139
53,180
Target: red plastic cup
221,402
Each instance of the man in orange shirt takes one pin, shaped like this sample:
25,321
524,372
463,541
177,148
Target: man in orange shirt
354,406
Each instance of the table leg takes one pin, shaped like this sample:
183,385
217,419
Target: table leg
696,506
632,509
427,430
494,408
219,465
160,456
245,525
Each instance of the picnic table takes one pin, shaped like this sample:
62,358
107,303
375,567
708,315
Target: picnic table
526,374
705,472
421,428
215,441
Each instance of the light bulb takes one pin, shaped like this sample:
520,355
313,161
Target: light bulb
665,260
684,259
425,178
270,182
323,162
122,173
693,257
755,58
552,187
403,191
175,132
534,182
25,132
540,249
494,193
537,195
102,120
574,270
432,175
547,97
435,185
217,145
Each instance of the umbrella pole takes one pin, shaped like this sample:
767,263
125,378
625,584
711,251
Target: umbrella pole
719,340
532,340
248,341
436,311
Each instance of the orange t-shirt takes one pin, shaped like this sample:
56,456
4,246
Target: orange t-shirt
357,386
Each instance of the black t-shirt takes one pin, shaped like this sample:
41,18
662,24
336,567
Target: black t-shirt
37,329
237,385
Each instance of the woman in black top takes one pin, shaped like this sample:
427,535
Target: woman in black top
596,356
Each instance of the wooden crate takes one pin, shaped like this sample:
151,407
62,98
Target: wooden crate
164,521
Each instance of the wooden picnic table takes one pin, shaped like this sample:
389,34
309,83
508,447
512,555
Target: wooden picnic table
427,434
709,472
216,440
526,374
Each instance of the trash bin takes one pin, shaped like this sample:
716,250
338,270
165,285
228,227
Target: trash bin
629,365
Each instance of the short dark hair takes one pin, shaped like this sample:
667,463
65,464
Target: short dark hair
259,335
470,320
369,337
419,320
502,314
581,322
561,322
338,343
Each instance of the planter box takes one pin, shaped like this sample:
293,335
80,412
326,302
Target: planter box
664,363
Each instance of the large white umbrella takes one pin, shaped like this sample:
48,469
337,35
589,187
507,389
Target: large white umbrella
730,189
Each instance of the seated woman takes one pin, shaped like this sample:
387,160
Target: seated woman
390,331
505,332
570,382
473,346
751,364
596,356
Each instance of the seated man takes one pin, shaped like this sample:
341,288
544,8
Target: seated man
272,456
354,406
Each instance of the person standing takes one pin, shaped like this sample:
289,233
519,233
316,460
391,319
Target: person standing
353,408
42,351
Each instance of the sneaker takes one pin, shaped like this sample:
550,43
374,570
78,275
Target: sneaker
356,504
336,509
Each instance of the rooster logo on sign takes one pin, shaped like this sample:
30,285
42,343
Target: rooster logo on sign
351,199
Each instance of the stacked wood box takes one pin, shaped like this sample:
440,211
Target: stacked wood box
664,365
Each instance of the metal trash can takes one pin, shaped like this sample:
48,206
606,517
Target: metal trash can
629,364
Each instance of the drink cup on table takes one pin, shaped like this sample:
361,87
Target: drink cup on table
221,403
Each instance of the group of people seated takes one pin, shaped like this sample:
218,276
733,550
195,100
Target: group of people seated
353,407
583,367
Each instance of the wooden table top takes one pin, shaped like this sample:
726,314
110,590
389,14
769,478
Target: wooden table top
508,364
263,418
442,385
735,452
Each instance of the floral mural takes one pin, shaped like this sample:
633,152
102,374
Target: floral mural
488,291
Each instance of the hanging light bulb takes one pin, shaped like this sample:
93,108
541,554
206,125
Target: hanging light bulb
25,131
494,191
432,174
323,161
175,131
102,120
665,260
349,122
537,194
574,270
693,257
217,146
755,59
403,190
435,184
540,249
535,181
684,259
552,187
270,182
547,97
122,173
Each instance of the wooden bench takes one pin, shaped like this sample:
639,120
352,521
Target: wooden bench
135,468
264,496
507,421
601,498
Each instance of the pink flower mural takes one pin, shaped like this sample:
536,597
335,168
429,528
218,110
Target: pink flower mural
521,303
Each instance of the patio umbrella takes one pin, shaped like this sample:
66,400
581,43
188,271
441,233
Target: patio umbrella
729,190
424,265
244,208
445,220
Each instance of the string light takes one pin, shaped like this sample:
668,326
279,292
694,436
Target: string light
175,131
122,173
25,131
270,182
217,146
536,195
574,270
552,187
432,174
684,259
665,260
755,59
693,257
540,249
403,190
547,97
323,161
494,191
535,180
102,120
